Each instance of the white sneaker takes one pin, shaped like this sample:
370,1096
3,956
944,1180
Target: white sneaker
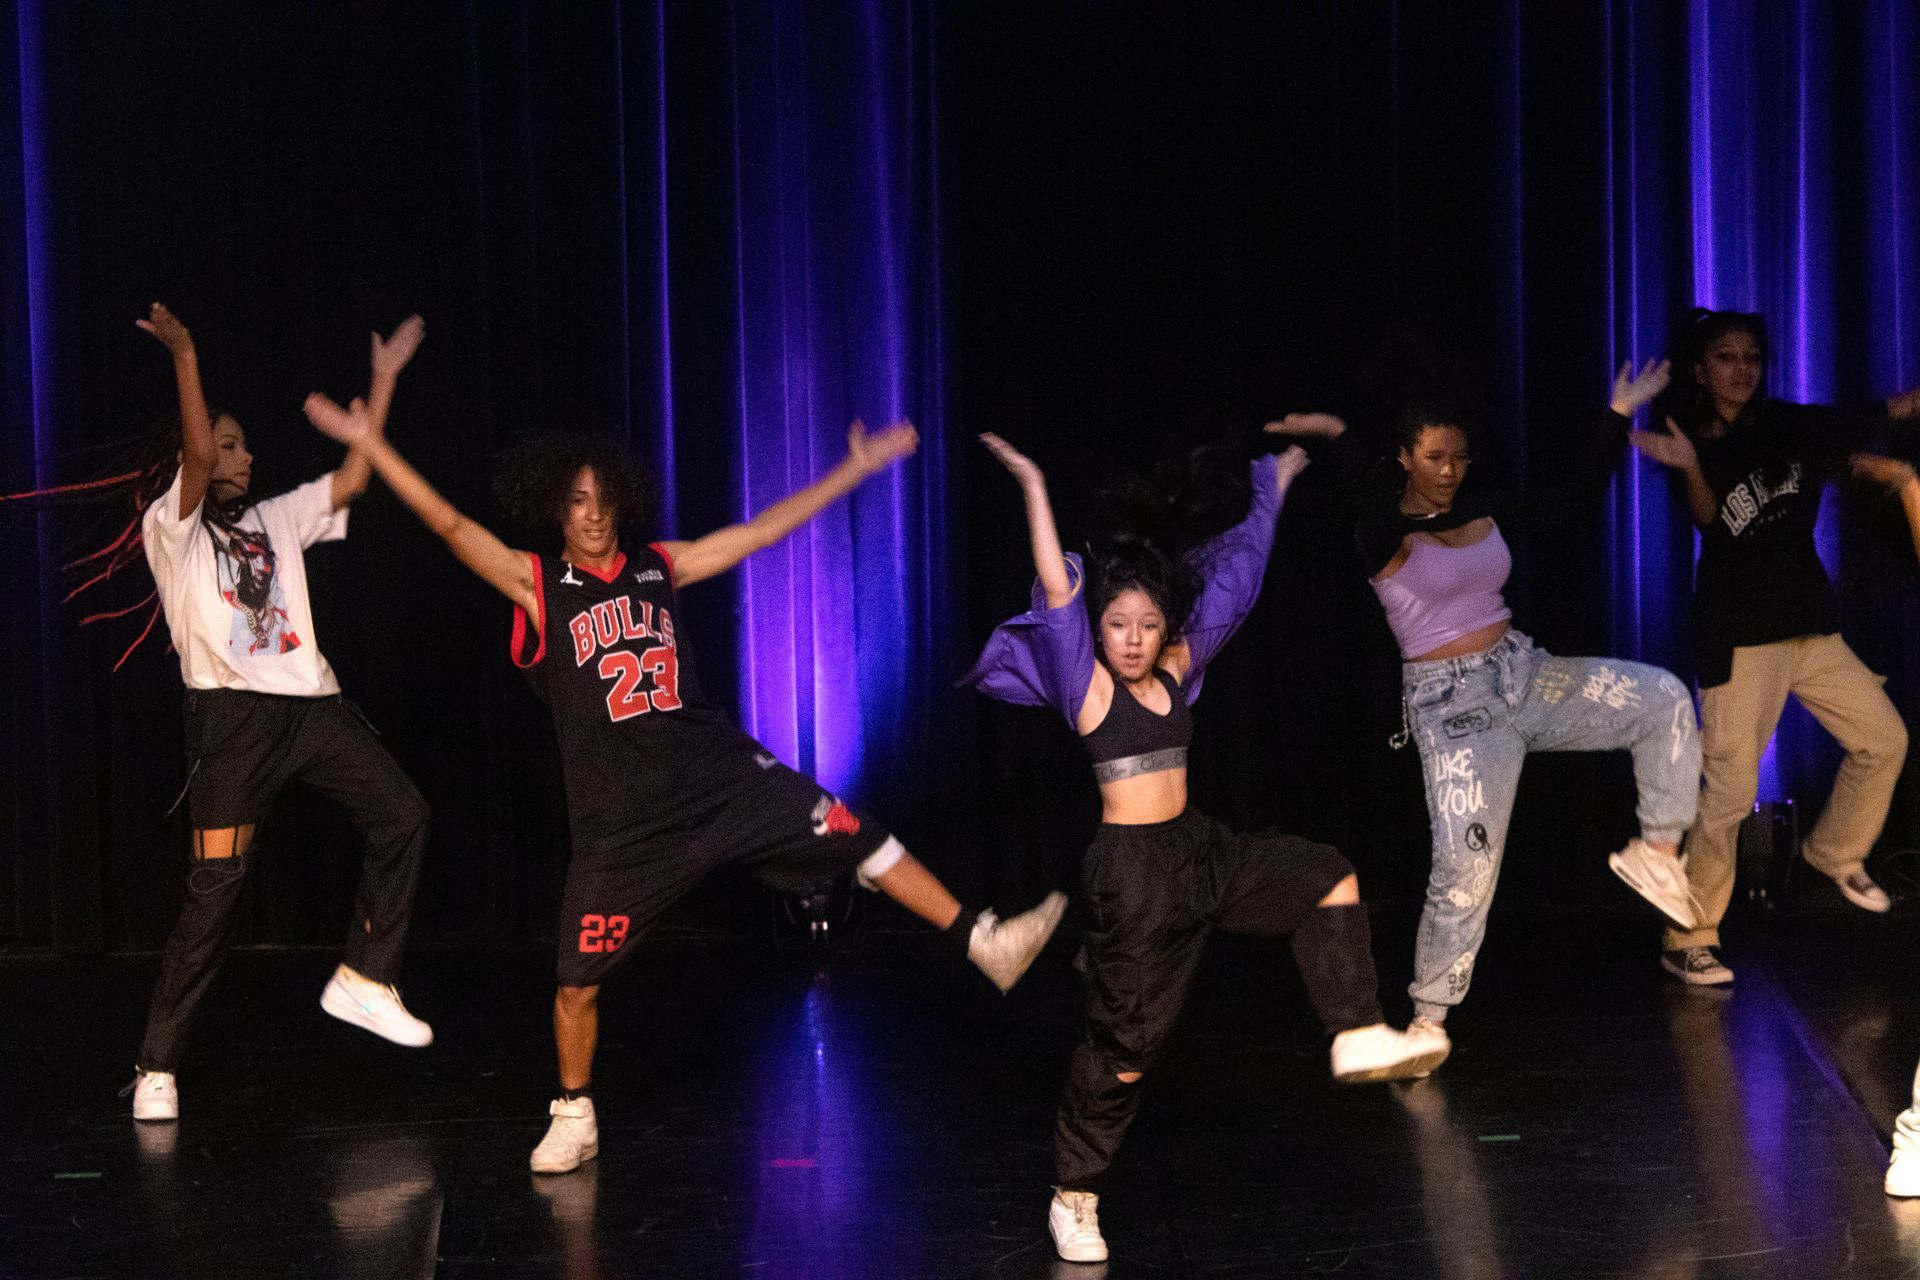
375,1007
155,1096
1368,1054
1859,889
1430,1029
1659,879
1696,966
1074,1220
572,1139
1002,949
1903,1174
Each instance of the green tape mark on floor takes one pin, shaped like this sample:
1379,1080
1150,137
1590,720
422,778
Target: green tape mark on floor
1499,1137
89,1173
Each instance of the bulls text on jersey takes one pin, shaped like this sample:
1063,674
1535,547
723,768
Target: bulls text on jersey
621,621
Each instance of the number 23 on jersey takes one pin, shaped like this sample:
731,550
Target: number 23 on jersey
627,699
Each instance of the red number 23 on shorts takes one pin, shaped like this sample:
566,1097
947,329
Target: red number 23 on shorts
602,933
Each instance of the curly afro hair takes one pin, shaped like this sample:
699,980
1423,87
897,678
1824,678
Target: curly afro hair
534,480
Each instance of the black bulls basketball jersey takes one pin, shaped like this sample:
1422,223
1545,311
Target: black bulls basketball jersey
641,747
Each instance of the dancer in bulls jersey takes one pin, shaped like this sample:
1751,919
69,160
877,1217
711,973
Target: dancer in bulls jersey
662,789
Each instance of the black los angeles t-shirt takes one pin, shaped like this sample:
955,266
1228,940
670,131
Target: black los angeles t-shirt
641,748
1759,579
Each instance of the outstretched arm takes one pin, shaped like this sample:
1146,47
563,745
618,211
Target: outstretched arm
1899,476
507,571
389,358
1048,563
196,425
724,548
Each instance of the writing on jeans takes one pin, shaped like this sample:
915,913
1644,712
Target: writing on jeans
1468,723
1611,688
1457,789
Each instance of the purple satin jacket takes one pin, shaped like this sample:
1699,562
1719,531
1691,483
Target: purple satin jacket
1045,657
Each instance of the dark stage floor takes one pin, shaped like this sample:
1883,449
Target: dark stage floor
888,1116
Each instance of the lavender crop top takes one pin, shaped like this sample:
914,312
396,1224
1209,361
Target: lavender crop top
1441,593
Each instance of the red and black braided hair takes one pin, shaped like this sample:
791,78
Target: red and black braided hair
137,477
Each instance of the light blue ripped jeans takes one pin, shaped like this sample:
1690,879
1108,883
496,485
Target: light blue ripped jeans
1475,719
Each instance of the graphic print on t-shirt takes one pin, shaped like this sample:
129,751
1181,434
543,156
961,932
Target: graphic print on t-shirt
244,563
1747,500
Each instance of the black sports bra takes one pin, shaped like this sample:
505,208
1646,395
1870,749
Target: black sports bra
1133,740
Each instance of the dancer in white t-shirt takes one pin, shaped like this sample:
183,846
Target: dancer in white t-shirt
263,707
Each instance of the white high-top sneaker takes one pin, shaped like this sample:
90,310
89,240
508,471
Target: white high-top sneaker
1074,1220
155,1096
1004,948
572,1139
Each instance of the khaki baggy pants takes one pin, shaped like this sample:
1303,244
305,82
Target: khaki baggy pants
1736,721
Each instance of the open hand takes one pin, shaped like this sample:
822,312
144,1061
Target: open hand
1670,448
1631,390
1024,469
166,326
391,355
1288,464
1324,425
349,425
1891,472
882,449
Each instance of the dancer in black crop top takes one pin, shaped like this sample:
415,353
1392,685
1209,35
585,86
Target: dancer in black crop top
1119,649
1133,740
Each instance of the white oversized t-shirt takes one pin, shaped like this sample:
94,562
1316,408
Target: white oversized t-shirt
236,603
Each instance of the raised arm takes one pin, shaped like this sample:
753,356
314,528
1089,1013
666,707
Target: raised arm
1233,565
724,548
1048,563
507,571
389,358
1670,448
1044,657
196,425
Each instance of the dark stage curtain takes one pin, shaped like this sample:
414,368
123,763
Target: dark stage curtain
720,231
707,229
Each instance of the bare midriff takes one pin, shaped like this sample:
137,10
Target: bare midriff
1471,643
1149,798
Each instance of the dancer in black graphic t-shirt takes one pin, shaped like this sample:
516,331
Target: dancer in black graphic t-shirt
662,789
1766,623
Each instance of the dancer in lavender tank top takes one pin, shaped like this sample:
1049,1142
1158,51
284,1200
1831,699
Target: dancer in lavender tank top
1478,696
